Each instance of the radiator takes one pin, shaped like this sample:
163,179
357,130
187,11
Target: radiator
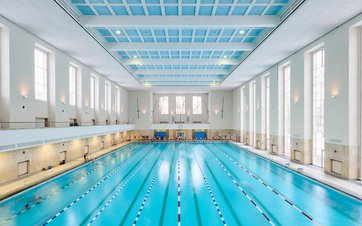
274,148
336,166
297,155
258,144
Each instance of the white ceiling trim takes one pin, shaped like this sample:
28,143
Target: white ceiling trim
180,46
180,71
192,61
180,21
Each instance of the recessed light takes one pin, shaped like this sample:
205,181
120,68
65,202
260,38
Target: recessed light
242,32
118,32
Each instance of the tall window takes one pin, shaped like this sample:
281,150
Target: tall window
318,107
106,96
287,147
267,111
196,105
117,100
72,84
252,103
41,74
180,104
163,105
92,91
242,114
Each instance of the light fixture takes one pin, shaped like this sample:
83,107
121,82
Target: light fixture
118,32
135,57
225,56
334,91
241,32
146,83
296,100
24,96
214,83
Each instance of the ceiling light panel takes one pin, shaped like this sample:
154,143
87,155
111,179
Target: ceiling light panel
200,42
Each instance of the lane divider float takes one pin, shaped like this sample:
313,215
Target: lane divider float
88,191
210,191
241,189
267,186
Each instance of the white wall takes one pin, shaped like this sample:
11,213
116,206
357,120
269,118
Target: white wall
141,119
17,80
217,121
337,80
237,109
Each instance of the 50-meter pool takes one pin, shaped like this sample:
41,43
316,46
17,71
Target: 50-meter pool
181,184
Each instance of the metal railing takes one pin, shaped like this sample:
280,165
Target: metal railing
49,124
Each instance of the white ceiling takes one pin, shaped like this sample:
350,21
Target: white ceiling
178,73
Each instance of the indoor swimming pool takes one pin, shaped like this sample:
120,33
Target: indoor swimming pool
213,183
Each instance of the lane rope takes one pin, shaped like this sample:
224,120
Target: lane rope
99,166
145,199
210,192
178,189
88,191
241,189
120,189
267,186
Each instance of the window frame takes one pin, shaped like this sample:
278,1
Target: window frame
161,105
41,80
72,85
180,109
197,111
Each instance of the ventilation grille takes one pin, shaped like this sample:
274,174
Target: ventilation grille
336,166
297,156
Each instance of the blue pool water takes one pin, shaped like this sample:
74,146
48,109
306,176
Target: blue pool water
181,184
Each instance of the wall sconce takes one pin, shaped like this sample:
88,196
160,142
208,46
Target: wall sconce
63,103
296,100
24,96
144,112
334,91
216,111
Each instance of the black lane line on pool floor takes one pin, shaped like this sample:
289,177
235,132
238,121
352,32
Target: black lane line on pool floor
99,166
149,190
142,185
165,196
196,203
93,187
266,185
210,191
116,192
240,188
